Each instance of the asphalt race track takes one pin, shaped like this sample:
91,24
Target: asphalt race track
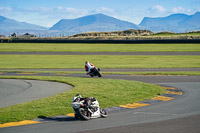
15,91
179,115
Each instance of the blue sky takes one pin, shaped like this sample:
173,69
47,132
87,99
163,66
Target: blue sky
48,12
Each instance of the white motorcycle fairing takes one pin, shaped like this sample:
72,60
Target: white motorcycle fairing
95,114
93,110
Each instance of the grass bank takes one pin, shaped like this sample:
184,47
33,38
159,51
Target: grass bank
108,92
102,61
67,47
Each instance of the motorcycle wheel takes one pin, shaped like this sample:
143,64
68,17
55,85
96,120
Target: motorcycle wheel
98,74
91,74
103,113
83,114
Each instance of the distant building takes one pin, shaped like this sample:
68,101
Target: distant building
28,35
14,35
2,36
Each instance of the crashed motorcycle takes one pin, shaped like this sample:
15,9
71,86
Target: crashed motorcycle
95,72
87,111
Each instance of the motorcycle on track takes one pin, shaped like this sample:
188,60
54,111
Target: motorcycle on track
92,70
95,72
87,111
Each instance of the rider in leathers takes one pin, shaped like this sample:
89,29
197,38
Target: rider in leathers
88,67
87,101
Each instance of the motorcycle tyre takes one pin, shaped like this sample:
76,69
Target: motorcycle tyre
99,74
103,113
82,116
91,74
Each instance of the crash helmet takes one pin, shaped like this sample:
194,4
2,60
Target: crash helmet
77,98
78,95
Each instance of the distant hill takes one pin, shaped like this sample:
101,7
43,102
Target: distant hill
174,23
192,21
102,23
93,23
9,25
126,33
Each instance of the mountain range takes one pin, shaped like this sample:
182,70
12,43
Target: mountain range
9,26
174,23
100,22
97,22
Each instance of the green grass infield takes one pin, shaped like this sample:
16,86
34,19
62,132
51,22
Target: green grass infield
84,47
109,93
101,61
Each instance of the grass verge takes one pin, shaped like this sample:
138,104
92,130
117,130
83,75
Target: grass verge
102,61
76,47
109,93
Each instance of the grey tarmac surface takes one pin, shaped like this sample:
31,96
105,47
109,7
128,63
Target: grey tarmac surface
157,79
15,91
100,53
167,116
184,125
149,79
179,115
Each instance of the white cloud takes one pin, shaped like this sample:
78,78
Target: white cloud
178,9
46,9
68,12
104,9
155,11
5,9
59,8
72,10
158,8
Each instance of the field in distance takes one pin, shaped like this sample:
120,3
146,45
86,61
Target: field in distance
84,47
